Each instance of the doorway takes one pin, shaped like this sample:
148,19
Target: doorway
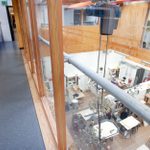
11,20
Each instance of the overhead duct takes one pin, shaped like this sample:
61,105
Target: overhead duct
109,15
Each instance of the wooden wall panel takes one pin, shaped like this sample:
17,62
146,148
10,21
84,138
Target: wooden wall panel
79,38
131,23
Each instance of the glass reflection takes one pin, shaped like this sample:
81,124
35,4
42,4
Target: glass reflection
118,124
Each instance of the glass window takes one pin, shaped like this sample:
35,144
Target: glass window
45,58
95,118
146,36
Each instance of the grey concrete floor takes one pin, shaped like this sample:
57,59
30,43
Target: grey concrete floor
19,127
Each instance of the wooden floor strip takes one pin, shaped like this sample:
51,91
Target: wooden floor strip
49,141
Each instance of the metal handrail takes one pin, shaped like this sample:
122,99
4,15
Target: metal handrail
133,104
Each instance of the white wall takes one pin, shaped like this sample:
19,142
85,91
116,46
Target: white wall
68,16
47,67
89,59
9,2
129,71
42,15
147,39
146,73
4,24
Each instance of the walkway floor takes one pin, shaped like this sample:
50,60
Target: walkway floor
19,128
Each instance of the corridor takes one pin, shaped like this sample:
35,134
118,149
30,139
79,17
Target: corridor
19,128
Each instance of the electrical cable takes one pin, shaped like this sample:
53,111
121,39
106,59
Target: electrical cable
98,102
100,105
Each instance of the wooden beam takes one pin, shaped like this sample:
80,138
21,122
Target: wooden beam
36,47
26,46
57,60
18,24
27,33
139,53
69,2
